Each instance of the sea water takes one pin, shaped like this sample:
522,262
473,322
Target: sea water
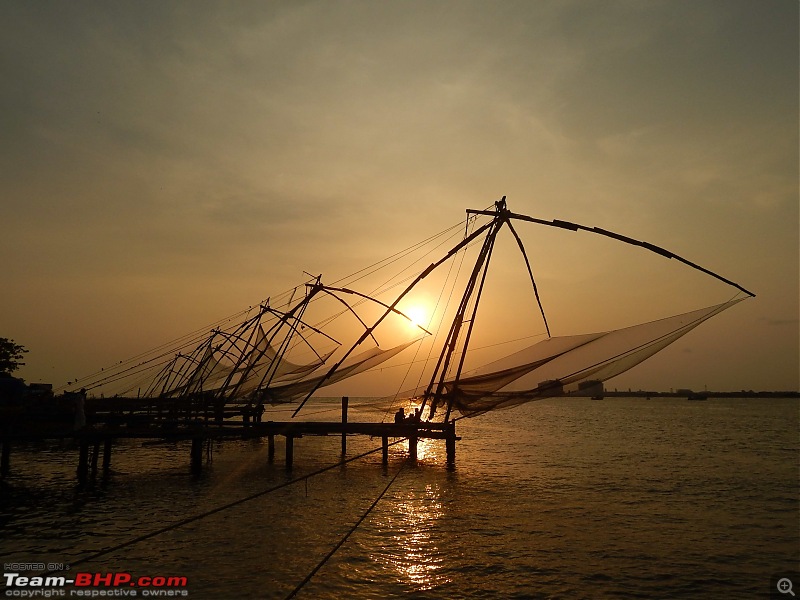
562,498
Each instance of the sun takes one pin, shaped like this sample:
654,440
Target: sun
419,315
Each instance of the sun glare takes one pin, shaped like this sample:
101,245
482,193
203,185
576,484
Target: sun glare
418,314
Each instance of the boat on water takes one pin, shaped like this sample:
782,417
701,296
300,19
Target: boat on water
255,361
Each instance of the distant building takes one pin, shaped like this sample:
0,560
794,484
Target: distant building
591,388
551,387
40,389
14,390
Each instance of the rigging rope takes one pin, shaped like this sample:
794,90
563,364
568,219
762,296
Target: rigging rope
191,338
436,335
219,509
394,257
156,357
344,539
387,285
463,252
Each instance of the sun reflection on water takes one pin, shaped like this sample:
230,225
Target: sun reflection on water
426,450
410,545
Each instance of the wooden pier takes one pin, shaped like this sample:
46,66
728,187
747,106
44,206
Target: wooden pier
102,433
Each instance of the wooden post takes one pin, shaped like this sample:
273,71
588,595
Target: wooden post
5,462
197,455
83,462
289,451
95,457
412,446
345,402
271,448
450,443
107,455
385,449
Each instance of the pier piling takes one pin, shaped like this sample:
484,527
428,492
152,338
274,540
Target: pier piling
450,444
289,451
345,402
412,447
197,455
83,462
92,442
95,457
107,455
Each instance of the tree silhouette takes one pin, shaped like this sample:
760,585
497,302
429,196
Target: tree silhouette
11,355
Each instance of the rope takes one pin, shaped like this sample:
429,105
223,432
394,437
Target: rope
463,253
419,346
219,509
344,539
169,346
143,362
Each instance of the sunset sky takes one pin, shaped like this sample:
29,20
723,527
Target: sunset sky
165,164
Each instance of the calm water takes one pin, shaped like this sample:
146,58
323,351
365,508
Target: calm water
556,499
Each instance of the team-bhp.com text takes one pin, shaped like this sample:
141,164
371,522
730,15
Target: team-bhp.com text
94,585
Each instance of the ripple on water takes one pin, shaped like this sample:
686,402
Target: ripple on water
562,498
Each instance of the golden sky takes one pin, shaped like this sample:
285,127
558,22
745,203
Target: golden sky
165,164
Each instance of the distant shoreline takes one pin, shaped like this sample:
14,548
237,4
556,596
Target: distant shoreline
708,394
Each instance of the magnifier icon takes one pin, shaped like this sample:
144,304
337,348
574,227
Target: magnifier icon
785,586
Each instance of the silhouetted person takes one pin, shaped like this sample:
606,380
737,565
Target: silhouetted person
400,415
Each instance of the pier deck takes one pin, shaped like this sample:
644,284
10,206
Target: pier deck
106,431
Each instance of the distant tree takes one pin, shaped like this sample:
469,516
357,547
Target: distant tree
11,355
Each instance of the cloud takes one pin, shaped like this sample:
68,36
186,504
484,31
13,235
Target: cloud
238,144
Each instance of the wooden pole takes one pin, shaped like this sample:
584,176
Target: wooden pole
197,455
412,447
289,451
449,347
107,455
385,449
95,457
83,462
450,443
345,402
453,251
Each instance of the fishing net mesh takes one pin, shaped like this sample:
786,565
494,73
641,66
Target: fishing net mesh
563,365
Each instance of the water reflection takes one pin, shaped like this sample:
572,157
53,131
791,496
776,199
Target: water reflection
410,546
426,449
